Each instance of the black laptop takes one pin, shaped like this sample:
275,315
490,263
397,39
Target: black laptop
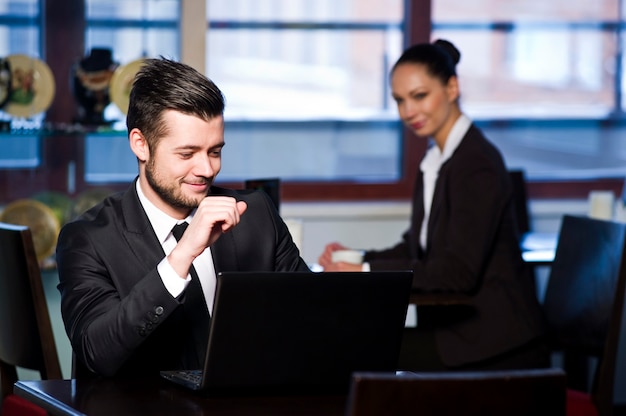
300,332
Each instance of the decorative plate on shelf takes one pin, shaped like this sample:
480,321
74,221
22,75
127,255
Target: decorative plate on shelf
32,86
121,83
41,220
91,78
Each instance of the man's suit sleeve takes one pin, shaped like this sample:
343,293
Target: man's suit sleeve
106,320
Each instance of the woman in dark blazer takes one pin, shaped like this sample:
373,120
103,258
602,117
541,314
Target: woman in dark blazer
462,237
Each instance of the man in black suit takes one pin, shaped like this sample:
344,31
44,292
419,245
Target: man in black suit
128,281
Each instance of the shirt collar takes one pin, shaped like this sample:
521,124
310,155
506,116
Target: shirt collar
461,126
434,157
162,223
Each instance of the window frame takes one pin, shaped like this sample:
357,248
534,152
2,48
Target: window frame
572,188
62,155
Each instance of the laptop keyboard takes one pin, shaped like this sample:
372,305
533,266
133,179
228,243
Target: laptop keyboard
193,376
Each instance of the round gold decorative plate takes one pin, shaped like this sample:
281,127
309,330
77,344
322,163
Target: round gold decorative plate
32,86
41,220
121,83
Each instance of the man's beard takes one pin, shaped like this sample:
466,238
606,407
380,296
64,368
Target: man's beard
170,194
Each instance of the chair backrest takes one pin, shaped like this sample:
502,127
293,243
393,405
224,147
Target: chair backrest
26,338
520,200
485,393
584,302
271,186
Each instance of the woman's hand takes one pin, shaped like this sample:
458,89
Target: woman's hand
326,260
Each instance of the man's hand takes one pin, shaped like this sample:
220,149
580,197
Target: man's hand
215,216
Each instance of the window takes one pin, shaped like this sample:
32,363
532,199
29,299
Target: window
132,29
544,80
19,27
19,34
307,93
306,89
305,82
315,60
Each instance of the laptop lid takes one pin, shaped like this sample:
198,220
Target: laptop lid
303,332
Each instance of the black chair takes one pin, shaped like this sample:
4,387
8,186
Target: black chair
520,201
584,307
485,393
271,186
26,337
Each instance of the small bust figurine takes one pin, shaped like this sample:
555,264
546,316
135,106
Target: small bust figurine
92,77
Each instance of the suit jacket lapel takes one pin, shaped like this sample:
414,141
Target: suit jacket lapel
438,195
418,214
143,241
138,230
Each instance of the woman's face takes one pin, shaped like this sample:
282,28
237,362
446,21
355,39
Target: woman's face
426,105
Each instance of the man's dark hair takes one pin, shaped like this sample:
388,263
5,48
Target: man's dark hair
163,84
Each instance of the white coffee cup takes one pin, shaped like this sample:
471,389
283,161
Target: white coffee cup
347,256
601,205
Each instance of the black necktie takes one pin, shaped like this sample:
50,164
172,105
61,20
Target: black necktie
195,307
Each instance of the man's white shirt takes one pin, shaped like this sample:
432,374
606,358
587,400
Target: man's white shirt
162,225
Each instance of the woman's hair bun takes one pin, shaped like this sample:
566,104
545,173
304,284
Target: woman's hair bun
450,49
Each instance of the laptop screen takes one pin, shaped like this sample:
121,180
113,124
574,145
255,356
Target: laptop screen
303,332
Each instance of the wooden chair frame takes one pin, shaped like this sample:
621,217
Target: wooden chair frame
26,288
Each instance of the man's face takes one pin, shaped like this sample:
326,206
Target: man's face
184,163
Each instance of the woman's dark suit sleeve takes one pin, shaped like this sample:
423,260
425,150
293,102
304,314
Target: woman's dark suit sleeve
473,249
469,225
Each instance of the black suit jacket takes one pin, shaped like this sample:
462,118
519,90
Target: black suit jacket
472,248
118,315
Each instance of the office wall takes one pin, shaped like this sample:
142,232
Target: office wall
380,224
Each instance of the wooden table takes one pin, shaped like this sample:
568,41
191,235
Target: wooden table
421,299
155,397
